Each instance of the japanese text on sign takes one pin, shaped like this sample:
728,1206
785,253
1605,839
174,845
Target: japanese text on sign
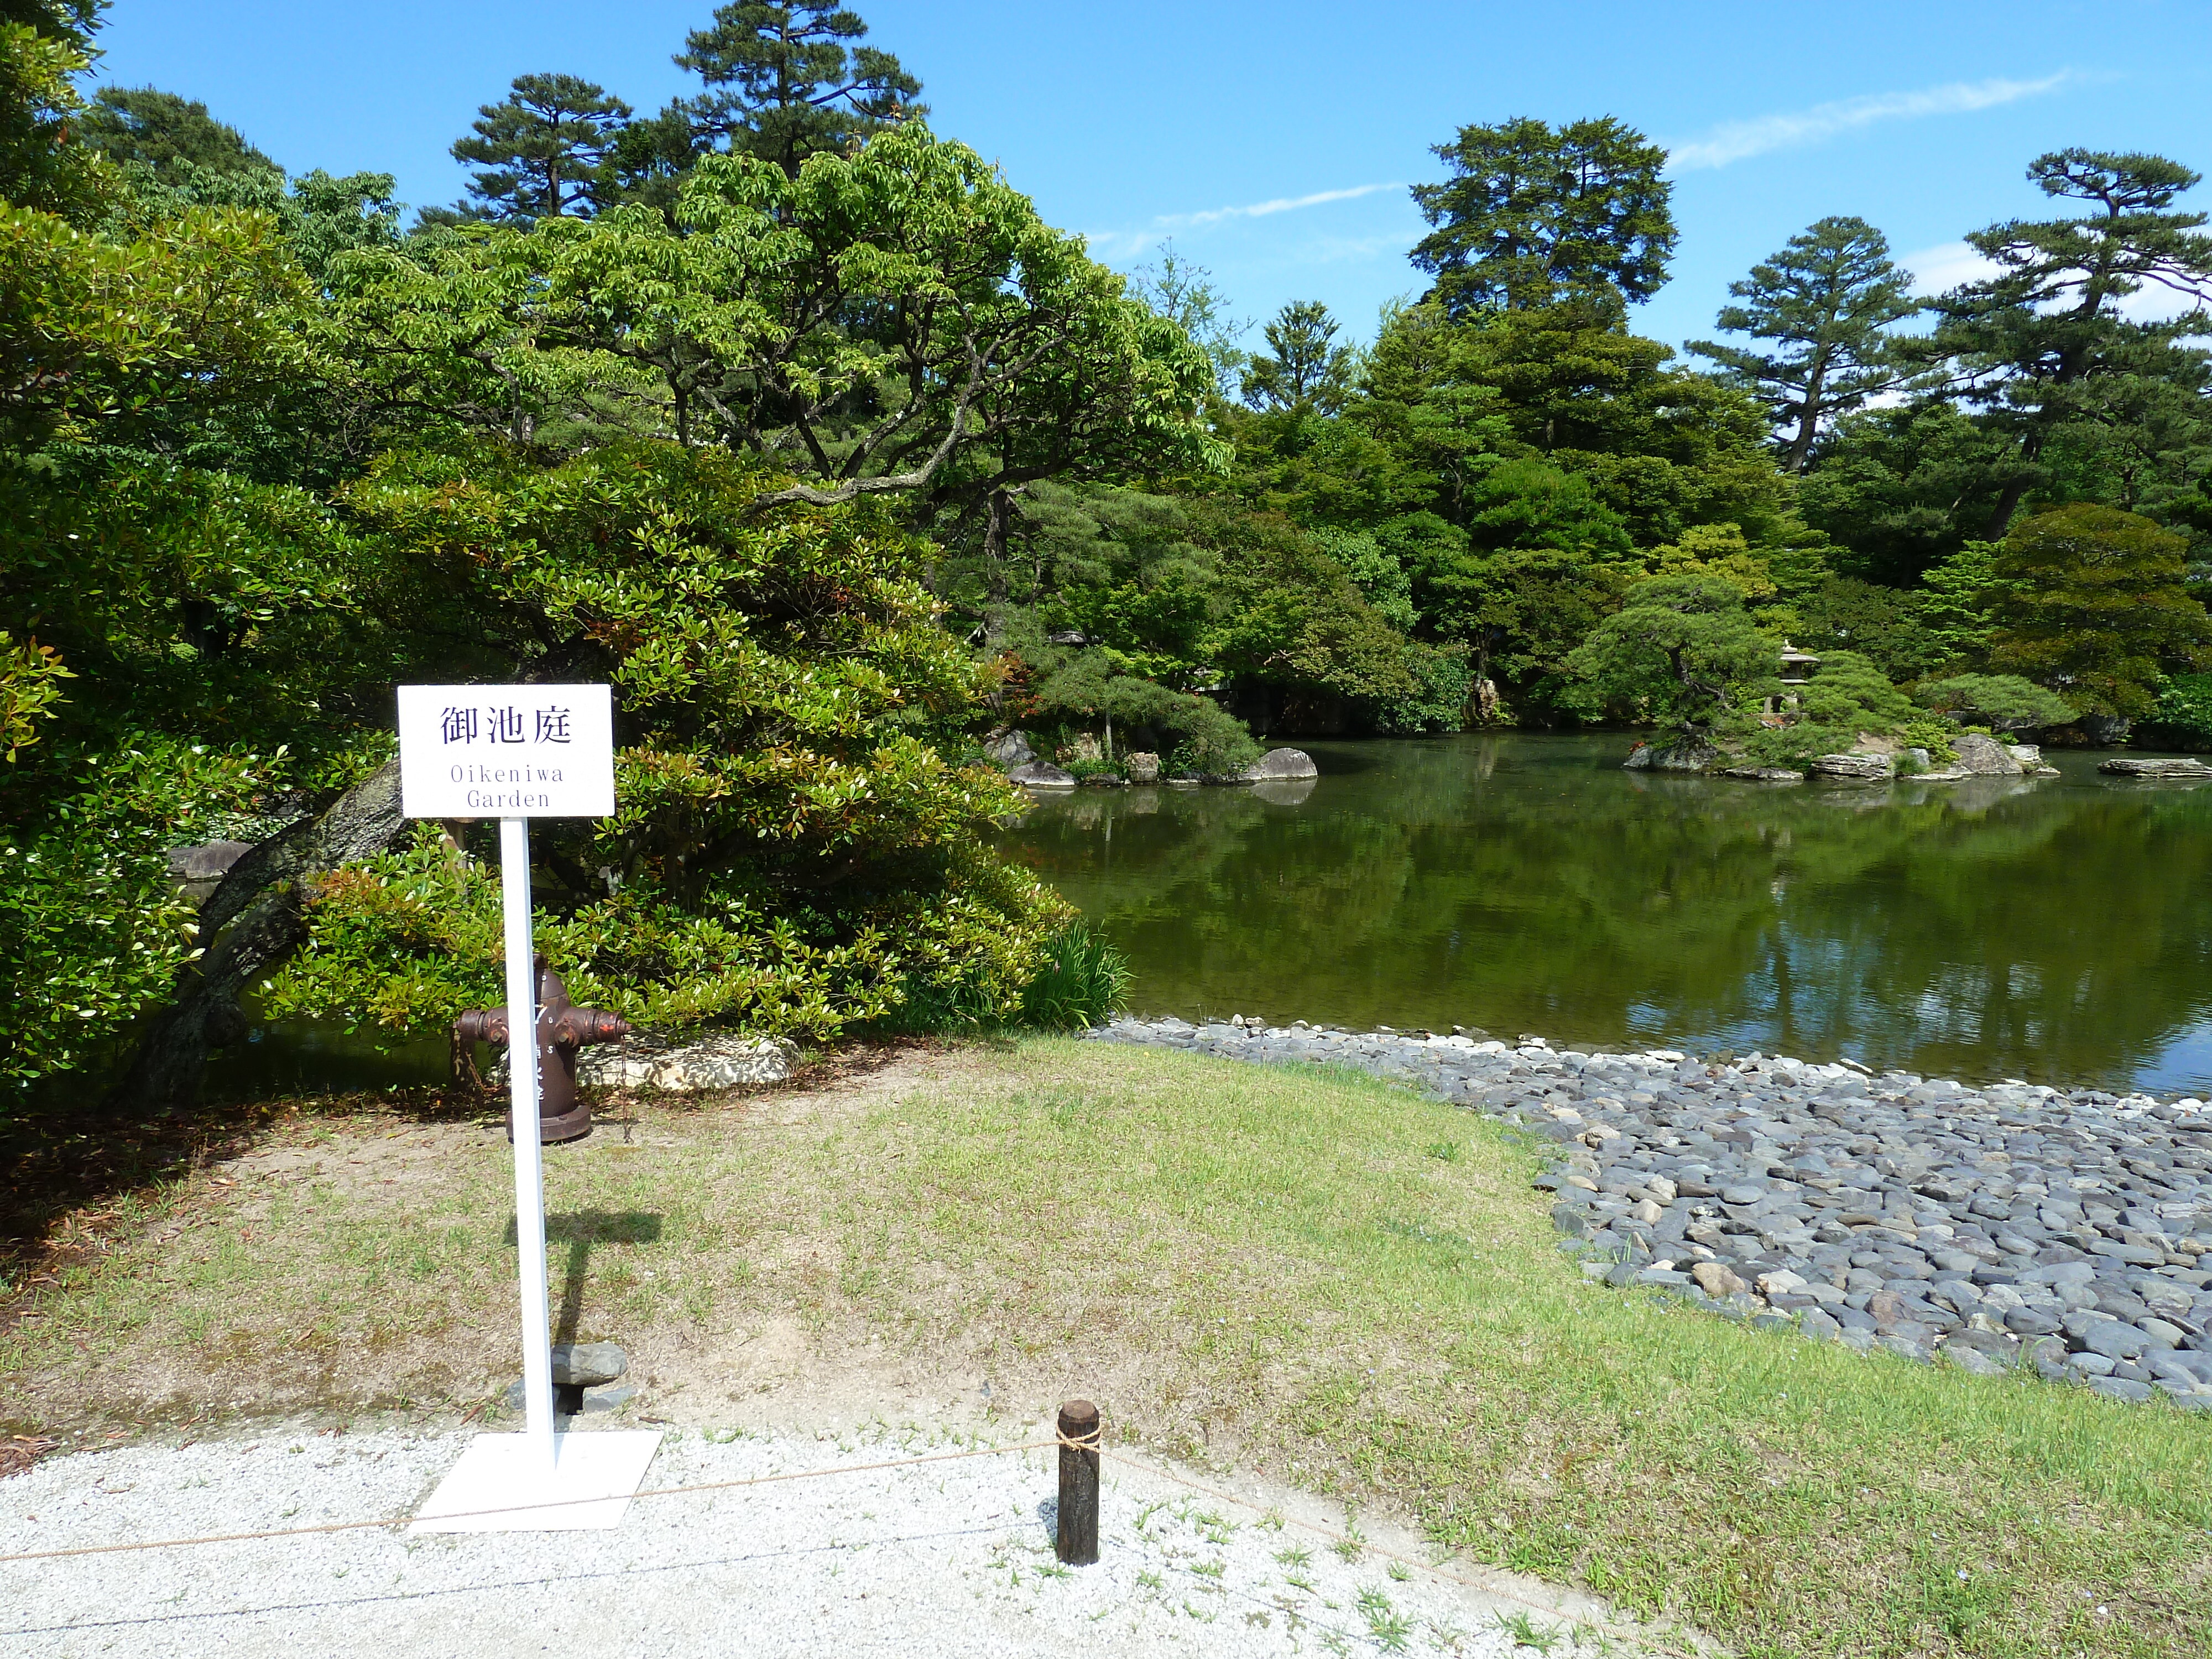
506,751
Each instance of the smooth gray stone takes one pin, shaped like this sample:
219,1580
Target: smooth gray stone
2111,1337
2048,1355
1996,1346
1278,764
209,861
587,1364
1973,1360
2030,1321
2169,1368
2120,1387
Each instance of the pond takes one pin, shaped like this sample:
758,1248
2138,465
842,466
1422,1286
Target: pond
2056,931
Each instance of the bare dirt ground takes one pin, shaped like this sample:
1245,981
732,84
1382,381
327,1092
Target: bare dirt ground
753,1365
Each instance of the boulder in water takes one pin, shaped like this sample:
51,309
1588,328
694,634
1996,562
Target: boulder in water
1682,755
1280,764
1041,775
1981,756
1862,769
2131,767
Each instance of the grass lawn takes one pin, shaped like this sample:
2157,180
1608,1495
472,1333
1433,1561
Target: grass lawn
1306,1274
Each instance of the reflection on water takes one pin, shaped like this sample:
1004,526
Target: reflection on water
2056,931
316,1056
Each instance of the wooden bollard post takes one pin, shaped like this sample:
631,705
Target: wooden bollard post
1077,1542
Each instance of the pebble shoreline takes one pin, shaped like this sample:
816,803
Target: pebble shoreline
1989,1228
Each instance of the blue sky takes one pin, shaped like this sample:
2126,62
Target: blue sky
1273,141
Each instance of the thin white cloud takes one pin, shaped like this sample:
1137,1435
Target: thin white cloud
1127,244
1946,266
1280,204
1940,268
1737,141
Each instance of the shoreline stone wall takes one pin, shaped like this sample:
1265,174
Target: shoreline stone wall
1987,1227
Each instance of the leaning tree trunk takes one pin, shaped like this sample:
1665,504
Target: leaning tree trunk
252,921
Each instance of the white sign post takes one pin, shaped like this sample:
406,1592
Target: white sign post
518,753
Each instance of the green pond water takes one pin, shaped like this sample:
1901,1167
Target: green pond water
2056,931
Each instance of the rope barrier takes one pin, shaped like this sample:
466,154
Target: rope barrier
1093,1442
521,1509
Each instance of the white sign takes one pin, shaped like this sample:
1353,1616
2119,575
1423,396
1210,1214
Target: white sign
506,751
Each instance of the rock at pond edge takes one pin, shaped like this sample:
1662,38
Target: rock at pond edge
1280,765
2130,767
1041,775
1861,769
1009,748
1682,755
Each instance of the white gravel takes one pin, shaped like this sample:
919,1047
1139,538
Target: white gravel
947,1559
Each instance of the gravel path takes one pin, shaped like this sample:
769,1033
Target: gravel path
947,1559
2011,1224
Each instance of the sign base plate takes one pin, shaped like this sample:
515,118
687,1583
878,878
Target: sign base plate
589,1486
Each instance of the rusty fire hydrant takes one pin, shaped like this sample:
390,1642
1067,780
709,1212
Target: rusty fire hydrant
561,1030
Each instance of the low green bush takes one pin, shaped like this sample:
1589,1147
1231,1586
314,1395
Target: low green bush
2183,719
1849,696
93,930
2004,702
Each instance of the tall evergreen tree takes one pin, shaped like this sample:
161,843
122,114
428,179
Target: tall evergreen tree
1532,216
784,81
2043,343
1827,300
1304,367
544,149
173,137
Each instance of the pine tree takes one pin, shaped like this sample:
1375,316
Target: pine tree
785,81
1532,215
2043,344
1827,301
173,137
1303,368
544,149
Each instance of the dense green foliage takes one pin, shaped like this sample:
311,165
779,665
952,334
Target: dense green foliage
2002,701
797,422
2095,605
1827,302
263,457
796,846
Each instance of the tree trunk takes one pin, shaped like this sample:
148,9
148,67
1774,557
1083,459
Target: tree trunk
2008,504
251,922
998,524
